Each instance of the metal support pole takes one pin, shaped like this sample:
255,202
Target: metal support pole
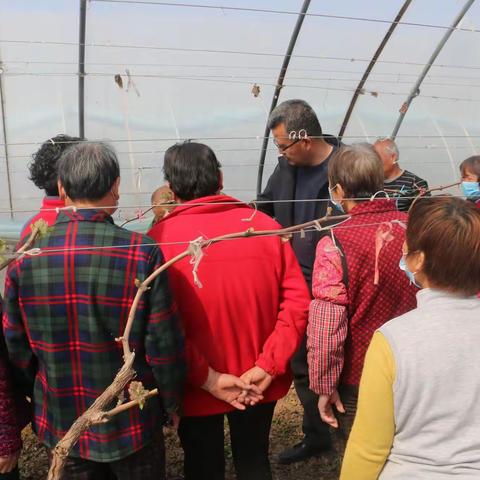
416,88
5,142
81,68
370,66
278,87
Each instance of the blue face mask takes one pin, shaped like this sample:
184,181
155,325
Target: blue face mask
338,205
471,189
410,275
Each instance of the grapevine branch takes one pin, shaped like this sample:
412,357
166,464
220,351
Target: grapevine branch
97,412
24,248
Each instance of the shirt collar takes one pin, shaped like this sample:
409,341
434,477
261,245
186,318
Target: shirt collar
52,202
377,205
84,215
427,296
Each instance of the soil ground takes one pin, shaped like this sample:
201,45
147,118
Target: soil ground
285,432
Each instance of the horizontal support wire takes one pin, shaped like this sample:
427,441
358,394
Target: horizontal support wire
288,12
239,202
38,251
241,67
375,92
257,137
231,52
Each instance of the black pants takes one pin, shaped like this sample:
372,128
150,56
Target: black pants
316,432
146,464
202,440
13,475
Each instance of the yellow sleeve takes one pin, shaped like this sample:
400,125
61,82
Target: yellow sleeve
373,430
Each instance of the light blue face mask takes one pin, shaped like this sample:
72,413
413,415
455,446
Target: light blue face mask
338,205
471,189
410,275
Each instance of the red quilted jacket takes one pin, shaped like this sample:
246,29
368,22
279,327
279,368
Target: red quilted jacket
252,307
370,305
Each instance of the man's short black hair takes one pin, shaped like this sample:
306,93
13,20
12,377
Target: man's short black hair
192,170
88,171
43,167
296,115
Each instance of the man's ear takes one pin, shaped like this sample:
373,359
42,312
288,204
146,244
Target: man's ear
220,181
115,188
61,191
307,143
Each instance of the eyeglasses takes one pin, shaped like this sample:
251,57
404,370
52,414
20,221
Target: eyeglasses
283,148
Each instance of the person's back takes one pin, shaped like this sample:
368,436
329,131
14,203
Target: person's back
66,308
244,305
418,412
377,290
357,285
76,297
237,307
437,416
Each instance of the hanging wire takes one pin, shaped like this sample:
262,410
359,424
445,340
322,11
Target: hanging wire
233,202
240,82
273,149
231,52
288,12
257,137
240,67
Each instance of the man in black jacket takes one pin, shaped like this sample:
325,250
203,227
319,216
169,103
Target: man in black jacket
301,179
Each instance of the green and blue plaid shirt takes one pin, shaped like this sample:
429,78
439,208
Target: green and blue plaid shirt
63,310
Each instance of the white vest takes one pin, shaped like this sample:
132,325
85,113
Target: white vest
436,349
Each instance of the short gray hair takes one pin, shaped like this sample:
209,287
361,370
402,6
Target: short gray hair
358,169
390,146
87,171
296,115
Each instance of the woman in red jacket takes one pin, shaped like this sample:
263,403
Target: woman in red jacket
244,307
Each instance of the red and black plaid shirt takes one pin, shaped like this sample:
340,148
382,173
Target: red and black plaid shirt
63,310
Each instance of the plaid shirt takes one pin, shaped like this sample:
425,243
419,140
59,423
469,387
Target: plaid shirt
327,320
63,310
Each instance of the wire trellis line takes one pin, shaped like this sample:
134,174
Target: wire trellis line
35,252
289,12
223,66
374,93
231,52
230,138
242,202
273,149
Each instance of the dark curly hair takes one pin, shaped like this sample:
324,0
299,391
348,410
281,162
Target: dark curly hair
43,167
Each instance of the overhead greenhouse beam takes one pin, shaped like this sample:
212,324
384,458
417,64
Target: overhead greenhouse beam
370,66
278,88
415,91
81,68
5,142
